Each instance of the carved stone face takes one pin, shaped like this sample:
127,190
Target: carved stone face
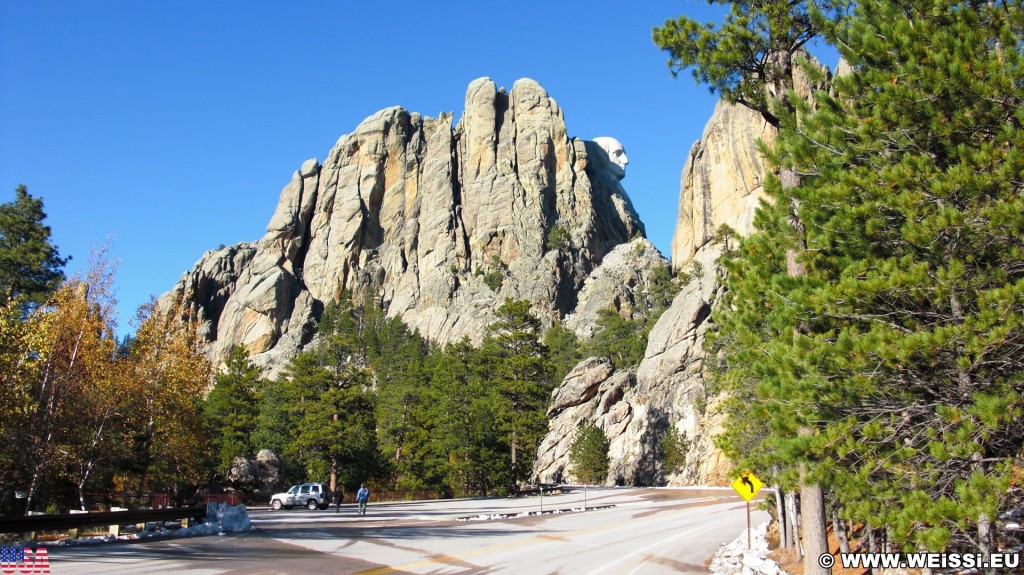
616,155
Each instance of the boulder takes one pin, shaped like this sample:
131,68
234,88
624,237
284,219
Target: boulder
257,475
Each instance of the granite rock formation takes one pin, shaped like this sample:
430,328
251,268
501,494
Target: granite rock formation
721,185
635,407
420,212
621,282
722,181
257,476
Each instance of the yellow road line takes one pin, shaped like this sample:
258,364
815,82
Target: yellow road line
450,558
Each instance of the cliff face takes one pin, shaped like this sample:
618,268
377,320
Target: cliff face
430,217
721,184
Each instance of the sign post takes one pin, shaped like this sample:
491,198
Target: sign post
747,485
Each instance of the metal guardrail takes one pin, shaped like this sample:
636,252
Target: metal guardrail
36,523
550,489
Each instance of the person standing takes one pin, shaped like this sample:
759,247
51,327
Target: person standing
339,496
361,497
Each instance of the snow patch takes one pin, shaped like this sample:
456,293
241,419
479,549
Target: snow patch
736,559
532,513
221,519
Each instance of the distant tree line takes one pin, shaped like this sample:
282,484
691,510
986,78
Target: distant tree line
372,401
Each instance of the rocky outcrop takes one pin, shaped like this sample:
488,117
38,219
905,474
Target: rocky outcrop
592,391
722,180
256,476
636,407
721,186
422,214
622,282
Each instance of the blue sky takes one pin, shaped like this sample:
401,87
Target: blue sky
172,126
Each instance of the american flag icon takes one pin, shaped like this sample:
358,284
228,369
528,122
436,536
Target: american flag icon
12,555
24,559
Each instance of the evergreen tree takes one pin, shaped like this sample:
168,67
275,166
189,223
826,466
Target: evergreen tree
751,59
30,265
401,373
333,435
564,351
660,292
516,365
331,403
673,448
621,340
588,454
907,357
231,408
467,449
273,427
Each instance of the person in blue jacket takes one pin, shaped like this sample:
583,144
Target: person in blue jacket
361,497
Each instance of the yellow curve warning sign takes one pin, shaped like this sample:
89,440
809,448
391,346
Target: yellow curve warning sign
747,485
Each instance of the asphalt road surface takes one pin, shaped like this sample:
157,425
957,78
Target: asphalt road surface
636,531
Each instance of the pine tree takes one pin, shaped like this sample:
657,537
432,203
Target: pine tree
564,351
751,60
401,373
331,397
673,448
231,408
621,340
333,433
908,363
30,265
516,365
468,452
588,454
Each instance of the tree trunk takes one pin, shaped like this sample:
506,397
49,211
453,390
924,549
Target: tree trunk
815,538
839,528
515,477
812,500
780,511
334,467
868,537
985,539
791,523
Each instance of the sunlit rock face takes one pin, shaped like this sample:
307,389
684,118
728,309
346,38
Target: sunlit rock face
721,185
421,212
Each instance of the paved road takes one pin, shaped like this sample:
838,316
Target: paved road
648,531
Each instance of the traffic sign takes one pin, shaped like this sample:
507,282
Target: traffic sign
747,485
